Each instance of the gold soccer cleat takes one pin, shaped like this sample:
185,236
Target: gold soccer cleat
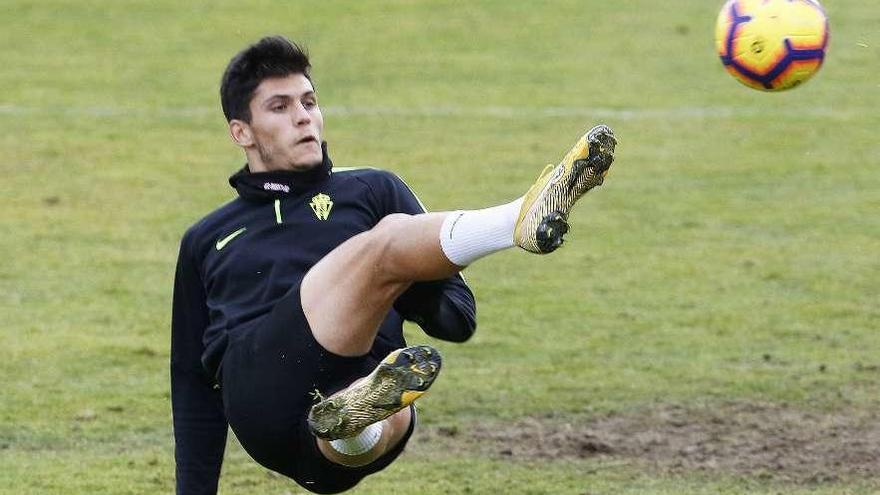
543,218
401,378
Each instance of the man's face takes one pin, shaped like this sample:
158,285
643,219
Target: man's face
286,126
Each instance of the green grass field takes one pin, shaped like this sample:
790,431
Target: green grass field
731,258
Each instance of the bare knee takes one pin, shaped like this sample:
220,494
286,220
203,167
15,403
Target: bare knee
391,225
386,239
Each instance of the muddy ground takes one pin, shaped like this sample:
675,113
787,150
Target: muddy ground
766,441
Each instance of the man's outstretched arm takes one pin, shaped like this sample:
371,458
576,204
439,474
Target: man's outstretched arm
199,422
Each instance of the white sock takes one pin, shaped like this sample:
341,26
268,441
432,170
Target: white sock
468,235
360,443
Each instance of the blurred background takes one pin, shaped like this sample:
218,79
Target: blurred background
711,325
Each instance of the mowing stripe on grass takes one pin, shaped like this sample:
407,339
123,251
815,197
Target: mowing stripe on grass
501,112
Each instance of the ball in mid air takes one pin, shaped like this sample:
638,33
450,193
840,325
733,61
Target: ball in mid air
772,45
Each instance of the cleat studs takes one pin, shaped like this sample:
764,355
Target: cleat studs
550,232
418,370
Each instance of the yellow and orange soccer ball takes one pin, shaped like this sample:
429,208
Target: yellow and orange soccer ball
772,45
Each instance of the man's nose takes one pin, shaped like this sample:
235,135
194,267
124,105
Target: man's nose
301,115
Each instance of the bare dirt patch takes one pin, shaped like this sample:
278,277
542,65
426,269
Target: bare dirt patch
769,441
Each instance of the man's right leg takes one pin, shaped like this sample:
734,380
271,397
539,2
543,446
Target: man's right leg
347,294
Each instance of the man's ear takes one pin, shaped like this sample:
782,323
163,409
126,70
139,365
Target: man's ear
241,133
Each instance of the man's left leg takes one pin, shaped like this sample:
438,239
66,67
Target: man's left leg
348,293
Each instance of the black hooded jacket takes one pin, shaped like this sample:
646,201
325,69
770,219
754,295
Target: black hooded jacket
236,263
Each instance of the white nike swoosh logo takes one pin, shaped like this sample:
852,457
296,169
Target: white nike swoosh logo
223,242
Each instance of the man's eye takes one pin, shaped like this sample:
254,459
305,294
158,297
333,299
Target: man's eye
310,104
279,108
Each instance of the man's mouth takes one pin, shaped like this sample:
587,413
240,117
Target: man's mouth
307,139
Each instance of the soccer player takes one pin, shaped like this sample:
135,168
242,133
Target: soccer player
289,300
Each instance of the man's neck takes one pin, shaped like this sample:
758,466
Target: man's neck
258,166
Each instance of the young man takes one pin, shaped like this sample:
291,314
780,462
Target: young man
289,300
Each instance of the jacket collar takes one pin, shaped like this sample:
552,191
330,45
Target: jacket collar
266,186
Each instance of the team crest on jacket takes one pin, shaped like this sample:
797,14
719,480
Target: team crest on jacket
321,204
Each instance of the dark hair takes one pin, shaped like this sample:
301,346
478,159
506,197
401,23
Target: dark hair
272,56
